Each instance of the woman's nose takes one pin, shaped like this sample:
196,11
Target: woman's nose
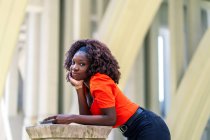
75,67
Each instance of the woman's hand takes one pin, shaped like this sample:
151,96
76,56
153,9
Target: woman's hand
59,119
77,84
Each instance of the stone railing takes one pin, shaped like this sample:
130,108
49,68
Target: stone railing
68,132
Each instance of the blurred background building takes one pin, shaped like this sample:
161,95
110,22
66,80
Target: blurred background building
163,48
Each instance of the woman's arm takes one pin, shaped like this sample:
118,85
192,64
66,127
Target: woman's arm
83,106
107,119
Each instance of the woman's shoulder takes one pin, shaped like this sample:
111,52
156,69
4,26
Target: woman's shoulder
99,77
101,82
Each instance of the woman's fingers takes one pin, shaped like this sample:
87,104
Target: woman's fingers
73,81
50,118
63,119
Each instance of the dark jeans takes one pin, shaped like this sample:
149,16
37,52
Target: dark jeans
148,126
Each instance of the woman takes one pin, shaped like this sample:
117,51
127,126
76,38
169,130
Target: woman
94,73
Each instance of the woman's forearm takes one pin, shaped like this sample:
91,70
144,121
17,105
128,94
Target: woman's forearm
83,106
94,120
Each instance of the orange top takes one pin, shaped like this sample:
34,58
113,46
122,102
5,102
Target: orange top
106,94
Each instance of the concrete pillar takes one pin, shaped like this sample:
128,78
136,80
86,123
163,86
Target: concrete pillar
4,122
32,70
194,26
82,18
11,14
177,49
135,86
100,10
11,87
152,67
10,109
139,80
48,77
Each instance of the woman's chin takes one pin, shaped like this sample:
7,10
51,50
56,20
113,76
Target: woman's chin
76,78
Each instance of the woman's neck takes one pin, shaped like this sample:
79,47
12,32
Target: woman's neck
86,83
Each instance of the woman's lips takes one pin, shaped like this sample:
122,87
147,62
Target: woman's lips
75,73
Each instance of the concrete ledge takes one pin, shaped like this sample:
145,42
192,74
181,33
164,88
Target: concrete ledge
68,132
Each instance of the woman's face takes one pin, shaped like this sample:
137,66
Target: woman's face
80,64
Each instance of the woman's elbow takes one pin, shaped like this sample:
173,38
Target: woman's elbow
112,121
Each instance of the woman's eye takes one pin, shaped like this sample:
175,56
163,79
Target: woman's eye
72,62
82,64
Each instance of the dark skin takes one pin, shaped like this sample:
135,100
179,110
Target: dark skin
77,76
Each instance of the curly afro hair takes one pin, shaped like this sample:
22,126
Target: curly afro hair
100,57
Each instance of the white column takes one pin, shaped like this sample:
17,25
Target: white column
48,84
11,15
2,124
134,89
139,80
177,49
9,104
32,71
194,26
11,87
82,19
67,39
152,88
99,10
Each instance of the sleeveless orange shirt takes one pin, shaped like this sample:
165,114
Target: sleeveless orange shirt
106,94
